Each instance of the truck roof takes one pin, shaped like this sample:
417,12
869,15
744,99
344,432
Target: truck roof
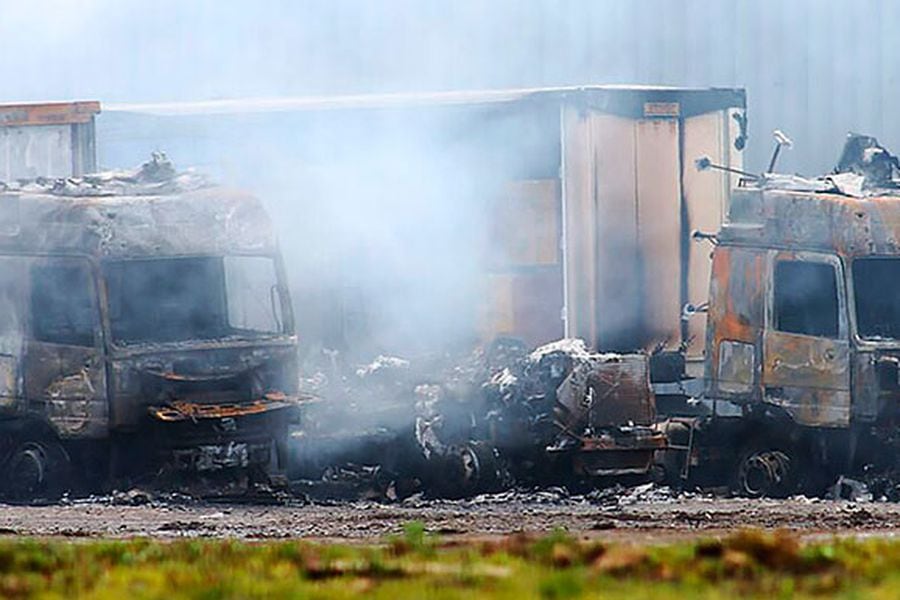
132,214
815,220
852,211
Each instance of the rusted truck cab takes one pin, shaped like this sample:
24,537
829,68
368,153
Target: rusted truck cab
146,328
803,332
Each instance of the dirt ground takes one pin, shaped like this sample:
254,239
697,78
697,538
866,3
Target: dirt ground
627,516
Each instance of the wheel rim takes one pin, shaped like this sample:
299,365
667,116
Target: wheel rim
27,470
764,473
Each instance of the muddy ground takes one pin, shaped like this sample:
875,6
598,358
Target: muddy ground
646,515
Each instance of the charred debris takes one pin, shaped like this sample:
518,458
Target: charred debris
503,417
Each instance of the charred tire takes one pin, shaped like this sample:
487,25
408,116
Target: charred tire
765,471
469,469
35,470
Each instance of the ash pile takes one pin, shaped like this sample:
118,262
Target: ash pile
503,417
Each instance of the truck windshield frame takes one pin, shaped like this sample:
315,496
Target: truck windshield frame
183,299
876,294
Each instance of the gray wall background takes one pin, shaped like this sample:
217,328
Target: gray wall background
814,68
395,242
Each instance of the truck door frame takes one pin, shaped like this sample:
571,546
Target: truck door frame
807,374
66,382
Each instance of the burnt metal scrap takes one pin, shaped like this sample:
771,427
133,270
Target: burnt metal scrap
502,417
864,156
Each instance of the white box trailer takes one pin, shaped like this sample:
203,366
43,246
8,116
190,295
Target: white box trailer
584,199
631,198
47,140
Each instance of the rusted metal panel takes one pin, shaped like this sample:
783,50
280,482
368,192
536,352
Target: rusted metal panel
64,379
208,220
736,372
68,385
54,113
832,222
870,393
737,300
610,454
606,390
621,393
809,377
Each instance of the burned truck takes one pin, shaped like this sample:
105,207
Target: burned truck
803,334
800,377
146,330
799,382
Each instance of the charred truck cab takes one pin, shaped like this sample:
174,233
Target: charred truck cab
146,328
803,336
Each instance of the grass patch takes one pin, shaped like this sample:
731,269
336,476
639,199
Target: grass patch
417,564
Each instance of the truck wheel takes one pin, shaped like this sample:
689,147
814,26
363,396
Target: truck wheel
469,469
765,472
36,470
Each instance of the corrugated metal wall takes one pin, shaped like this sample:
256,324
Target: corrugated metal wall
814,68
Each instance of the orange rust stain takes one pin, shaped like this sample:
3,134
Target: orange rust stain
730,327
56,113
727,323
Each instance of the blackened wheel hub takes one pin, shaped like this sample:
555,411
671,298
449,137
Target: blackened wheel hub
37,469
28,470
765,473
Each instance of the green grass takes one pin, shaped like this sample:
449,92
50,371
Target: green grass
416,564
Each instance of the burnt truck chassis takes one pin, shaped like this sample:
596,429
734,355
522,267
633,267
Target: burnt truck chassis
121,359
559,415
198,438
204,450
